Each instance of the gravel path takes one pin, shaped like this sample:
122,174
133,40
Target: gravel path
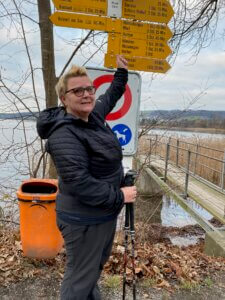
48,289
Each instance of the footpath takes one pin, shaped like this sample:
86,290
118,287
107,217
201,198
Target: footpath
163,271
48,289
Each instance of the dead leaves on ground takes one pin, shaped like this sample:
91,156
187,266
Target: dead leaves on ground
164,263
15,267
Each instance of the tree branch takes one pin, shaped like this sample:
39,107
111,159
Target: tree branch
75,51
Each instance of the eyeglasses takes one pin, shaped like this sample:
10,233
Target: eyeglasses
79,91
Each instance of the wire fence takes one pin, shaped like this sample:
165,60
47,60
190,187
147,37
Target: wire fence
200,161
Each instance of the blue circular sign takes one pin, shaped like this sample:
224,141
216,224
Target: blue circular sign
123,133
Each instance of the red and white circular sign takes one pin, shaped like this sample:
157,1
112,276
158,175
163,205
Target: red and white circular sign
125,115
127,98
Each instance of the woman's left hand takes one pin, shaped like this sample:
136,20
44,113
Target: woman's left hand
129,193
121,62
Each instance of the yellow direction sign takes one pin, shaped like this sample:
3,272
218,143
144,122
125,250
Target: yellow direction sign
130,29
159,11
118,44
85,21
140,30
92,7
139,63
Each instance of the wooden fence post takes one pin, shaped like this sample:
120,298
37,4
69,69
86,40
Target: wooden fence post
177,155
223,173
150,151
166,160
150,145
187,174
156,138
196,156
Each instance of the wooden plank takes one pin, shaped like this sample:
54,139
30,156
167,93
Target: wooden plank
207,197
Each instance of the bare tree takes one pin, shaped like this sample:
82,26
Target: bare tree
195,23
47,52
194,27
22,153
27,83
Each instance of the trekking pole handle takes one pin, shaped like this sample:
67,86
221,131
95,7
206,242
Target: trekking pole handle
130,177
129,181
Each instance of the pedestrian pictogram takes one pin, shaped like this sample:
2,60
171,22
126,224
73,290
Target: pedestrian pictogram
123,133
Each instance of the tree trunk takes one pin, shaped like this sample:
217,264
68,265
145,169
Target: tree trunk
48,61
47,52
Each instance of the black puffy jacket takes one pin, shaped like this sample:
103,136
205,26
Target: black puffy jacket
88,157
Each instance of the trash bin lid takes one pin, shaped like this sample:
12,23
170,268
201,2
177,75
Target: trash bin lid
37,189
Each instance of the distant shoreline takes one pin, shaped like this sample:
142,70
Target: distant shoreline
19,116
200,130
188,129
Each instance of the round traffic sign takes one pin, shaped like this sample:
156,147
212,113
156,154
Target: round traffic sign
123,133
127,98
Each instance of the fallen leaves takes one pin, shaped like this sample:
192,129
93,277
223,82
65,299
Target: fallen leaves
15,267
162,263
166,263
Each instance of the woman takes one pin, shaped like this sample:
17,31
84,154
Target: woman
87,156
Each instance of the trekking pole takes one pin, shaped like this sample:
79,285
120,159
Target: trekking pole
126,233
132,235
129,228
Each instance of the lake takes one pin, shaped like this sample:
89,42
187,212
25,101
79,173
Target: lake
14,165
14,155
188,134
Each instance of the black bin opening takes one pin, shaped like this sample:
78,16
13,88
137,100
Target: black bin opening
39,188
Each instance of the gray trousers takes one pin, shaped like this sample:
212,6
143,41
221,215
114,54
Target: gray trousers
88,247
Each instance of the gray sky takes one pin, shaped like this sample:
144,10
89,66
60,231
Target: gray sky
190,84
195,83
187,80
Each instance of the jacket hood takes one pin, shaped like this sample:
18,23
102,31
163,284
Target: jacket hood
50,119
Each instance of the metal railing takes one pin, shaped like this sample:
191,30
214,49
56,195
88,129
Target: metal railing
202,162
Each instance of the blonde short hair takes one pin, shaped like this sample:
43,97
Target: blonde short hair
74,71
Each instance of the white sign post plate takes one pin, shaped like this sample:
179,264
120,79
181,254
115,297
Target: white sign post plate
124,118
114,8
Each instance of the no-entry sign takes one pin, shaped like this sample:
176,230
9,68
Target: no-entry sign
127,98
125,116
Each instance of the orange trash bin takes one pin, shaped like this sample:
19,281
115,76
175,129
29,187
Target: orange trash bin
40,235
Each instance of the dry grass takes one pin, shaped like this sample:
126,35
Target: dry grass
205,162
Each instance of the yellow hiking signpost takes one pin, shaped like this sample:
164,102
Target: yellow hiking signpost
159,11
140,63
141,30
82,21
133,35
93,7
132,29
118,44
